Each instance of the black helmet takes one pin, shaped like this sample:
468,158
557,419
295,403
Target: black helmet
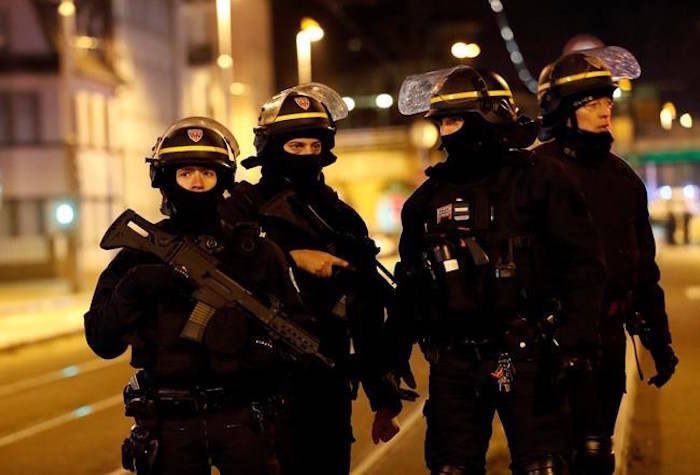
471,93
573,80
194,141
466,90
312,107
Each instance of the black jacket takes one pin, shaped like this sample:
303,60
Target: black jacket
281,210
617,201
514,201
150,320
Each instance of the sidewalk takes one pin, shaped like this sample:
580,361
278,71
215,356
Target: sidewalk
38,310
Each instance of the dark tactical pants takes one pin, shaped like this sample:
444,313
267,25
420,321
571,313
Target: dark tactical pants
610,379
315,432
463,400
230,439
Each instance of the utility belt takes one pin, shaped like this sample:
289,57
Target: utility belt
148,403
475,349
145,400
523,337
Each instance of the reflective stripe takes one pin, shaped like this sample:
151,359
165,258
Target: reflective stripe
193,148
467,95
580,76
544,86
301,115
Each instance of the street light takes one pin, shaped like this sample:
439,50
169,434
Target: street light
65,214
686,120
66,8
350,102
461,50
384,101
310,31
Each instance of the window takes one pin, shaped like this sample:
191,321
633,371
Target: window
19,118
25,117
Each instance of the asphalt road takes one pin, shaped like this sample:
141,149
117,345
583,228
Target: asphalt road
61,410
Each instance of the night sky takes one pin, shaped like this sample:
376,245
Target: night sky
371,45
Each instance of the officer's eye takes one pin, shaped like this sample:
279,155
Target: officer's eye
316,147
209,173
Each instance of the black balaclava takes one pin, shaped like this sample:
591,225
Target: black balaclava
192,211
303,172
474,149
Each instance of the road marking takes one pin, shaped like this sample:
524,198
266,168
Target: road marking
692,292
63,373
381,450
78,413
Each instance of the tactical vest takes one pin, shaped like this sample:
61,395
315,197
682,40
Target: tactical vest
231,343
479,249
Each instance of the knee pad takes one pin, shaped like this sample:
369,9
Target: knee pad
544,465
595,457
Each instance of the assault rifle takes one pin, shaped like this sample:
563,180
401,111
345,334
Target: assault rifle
214,289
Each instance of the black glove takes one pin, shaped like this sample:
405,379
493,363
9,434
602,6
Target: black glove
148,281
665,360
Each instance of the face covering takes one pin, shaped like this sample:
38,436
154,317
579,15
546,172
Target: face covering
193,211
585,144
300,170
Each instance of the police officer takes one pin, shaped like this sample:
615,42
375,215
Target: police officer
576,99
499,250
334,261
194,404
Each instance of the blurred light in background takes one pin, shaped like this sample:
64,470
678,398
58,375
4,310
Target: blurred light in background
85,42
506,33
690,191
617,93
313,30
516,57
462,50
423,134
669,106
686,120
237,88
496,5
350,102
666,116
384,101
665,192
625,85
65,214
310,31
224,61
66,8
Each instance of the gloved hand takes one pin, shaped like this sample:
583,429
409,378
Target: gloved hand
150,281
384,427
665,360
318,263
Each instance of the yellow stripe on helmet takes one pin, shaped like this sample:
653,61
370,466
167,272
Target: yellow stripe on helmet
544,86
193,148
301,115
581,76
469,95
